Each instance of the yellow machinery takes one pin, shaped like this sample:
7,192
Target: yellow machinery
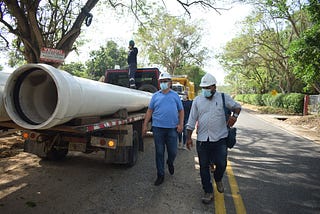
182,84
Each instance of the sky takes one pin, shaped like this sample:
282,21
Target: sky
219,29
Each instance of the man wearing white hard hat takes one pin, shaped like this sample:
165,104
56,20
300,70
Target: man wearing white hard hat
166,111
208,110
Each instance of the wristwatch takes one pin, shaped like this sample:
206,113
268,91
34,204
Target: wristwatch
235,115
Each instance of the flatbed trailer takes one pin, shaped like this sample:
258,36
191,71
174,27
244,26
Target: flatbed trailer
119,136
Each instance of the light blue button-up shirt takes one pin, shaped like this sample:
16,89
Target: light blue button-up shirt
210,115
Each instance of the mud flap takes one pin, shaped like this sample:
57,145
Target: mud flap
36,148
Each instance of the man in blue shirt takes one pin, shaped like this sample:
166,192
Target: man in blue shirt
166,111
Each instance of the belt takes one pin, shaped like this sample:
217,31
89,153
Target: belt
212,141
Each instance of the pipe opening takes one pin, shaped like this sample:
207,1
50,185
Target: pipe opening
35,96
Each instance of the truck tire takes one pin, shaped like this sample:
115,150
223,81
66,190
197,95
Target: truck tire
148,88
134,150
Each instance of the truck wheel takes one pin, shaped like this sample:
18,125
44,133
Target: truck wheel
148,88
134,150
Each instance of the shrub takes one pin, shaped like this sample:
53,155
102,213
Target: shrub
292,103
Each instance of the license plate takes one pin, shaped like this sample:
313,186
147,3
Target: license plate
81,147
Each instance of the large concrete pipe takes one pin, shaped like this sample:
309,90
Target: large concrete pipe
39,96
3,79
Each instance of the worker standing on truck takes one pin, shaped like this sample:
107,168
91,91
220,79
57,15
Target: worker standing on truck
167,114
132,62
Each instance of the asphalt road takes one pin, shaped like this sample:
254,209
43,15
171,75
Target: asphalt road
277,172
269,171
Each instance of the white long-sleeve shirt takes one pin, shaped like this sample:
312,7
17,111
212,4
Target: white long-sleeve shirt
210,115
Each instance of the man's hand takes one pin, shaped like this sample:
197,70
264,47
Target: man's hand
189,144
179,128
144,130
232,120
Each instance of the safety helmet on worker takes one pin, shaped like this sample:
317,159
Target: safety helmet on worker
131,43
164,75
208,80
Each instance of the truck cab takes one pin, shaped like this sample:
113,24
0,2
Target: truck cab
146,79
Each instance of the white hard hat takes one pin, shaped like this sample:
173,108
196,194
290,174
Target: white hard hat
208,80
164,75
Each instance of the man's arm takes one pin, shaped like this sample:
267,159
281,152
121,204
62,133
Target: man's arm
147,118
181,119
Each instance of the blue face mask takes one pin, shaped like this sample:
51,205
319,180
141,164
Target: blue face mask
164,85
206,92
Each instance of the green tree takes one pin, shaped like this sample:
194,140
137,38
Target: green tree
76,69
106,58
171,42
260,53
305,51
194,73
247,66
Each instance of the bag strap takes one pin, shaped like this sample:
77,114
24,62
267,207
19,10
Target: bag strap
224,108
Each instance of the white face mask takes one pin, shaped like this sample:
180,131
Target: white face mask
164,85
184,97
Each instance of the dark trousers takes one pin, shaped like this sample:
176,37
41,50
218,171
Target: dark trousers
211,153
164,137
183,135
132,70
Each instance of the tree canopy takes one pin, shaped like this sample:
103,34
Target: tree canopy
277,49
107,57
305,51
171,41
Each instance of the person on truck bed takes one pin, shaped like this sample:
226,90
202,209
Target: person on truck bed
167,114
132,62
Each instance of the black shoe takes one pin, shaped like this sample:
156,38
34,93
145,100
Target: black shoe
207,198
170,168
159,180
220,187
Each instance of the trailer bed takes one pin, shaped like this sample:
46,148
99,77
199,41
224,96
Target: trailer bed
104,123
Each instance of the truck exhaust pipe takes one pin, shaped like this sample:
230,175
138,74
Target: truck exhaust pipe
39,96
3,113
